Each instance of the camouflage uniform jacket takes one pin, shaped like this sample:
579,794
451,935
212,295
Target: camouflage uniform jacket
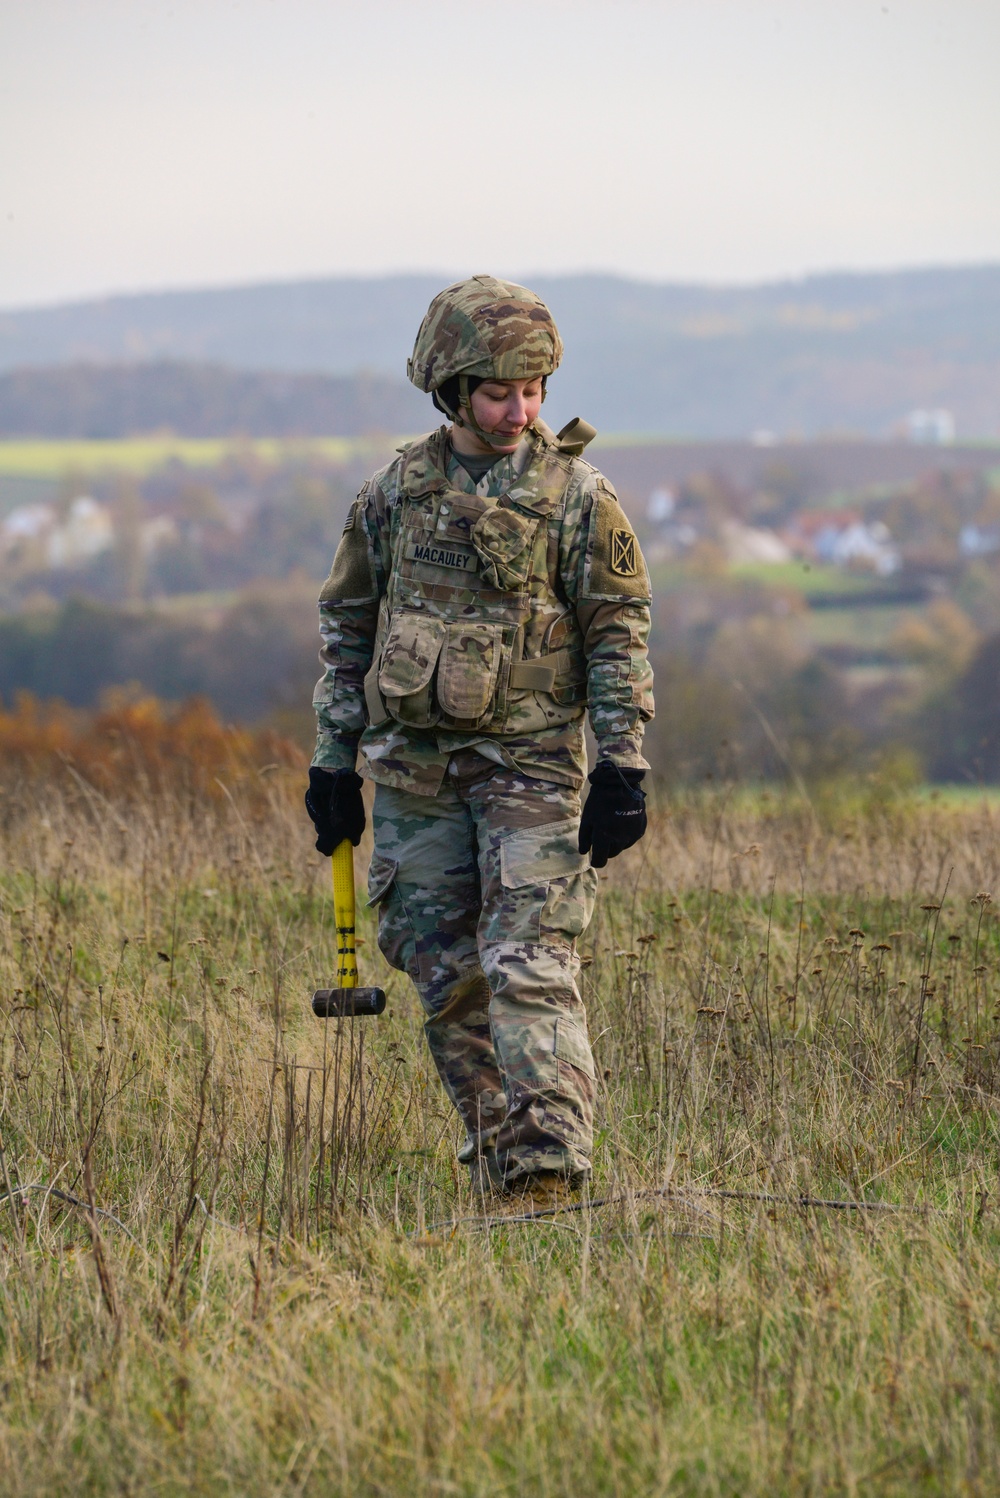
489,617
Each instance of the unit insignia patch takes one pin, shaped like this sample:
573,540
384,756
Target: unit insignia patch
623,555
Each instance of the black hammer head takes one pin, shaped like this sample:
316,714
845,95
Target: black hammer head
337,1003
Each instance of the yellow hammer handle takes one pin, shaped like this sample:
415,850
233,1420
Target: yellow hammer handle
342,870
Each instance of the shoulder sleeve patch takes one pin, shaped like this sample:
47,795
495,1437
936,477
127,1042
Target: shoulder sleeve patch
352,577
614,566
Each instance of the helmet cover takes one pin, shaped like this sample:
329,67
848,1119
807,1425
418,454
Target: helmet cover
494,330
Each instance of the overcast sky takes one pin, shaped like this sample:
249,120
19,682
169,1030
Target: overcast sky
147,144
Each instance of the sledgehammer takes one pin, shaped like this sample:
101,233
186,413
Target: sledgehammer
347,998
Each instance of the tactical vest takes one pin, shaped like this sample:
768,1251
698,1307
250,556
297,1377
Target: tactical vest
475,631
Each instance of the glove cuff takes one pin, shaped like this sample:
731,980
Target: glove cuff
329,780
607,773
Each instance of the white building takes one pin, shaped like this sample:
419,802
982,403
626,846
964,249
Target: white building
87,531
936,428
750,543
660,506
23,533
867,545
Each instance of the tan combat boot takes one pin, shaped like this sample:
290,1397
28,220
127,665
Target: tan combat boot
543,1191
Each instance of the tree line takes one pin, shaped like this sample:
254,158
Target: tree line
201,400
745,702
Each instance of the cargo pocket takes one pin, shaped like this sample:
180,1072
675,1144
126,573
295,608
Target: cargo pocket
537,855
467,672
395,933
536,864
406,666
382,872
503,539
569,906
572,1045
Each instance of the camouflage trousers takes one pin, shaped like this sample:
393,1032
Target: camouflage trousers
481,895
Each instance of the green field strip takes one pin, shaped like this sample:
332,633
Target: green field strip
143,455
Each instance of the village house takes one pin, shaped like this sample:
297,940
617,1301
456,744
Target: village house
843,538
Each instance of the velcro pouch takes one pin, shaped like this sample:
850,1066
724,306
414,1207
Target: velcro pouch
503,538
467,671
406,666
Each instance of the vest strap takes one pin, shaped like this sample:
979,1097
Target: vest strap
374,701
574,436
539,674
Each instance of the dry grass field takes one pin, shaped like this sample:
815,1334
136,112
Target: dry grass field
237,1255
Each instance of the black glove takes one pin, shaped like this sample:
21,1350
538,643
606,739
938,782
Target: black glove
614,816
334,802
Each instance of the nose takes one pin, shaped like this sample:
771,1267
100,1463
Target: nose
516,412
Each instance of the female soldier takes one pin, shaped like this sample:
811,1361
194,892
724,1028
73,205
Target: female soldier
487,592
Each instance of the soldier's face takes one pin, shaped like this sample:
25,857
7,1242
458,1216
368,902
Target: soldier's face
506,408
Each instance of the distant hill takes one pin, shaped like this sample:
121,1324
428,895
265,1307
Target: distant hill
201,400
846,352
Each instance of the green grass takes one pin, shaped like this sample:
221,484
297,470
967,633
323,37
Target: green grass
863,628
806,577
50,458
305,1297
954,796
782,576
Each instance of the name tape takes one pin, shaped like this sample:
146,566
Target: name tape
442,556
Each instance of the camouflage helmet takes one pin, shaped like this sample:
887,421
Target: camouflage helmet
489,329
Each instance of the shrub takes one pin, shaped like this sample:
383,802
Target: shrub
137,743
